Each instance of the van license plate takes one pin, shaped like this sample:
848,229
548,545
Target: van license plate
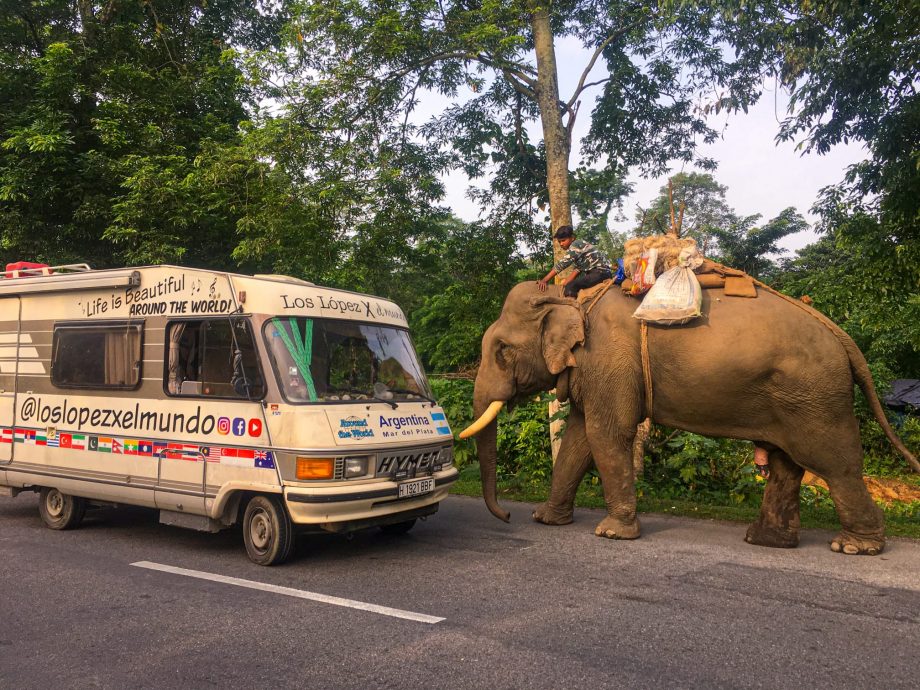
416,488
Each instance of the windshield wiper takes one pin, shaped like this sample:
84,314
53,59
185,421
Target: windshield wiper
367,396
405,391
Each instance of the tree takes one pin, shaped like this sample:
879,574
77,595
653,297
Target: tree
851,69
703,205
744,245
363,65
123,130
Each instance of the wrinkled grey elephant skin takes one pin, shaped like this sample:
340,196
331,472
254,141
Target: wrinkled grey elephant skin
766,370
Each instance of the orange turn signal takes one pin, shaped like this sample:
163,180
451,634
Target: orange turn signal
315,468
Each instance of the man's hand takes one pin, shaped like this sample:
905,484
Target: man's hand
542,284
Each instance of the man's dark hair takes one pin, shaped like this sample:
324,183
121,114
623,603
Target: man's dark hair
564,231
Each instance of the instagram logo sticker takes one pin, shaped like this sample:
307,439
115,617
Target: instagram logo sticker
223,426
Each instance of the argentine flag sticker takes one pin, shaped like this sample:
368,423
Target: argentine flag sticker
440,423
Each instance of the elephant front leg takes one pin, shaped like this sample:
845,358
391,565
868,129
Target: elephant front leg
572,463
778,522
613,457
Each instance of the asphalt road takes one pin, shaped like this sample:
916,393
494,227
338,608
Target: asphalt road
523,606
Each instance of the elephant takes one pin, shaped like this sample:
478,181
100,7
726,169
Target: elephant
771,370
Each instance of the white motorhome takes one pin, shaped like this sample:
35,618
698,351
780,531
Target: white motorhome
217,399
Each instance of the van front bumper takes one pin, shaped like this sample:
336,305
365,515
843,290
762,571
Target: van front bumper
326,506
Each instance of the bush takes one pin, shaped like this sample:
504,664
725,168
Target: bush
679,464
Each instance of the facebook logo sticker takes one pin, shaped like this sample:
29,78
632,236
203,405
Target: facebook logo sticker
239,426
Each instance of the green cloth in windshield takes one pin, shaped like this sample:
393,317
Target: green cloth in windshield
300,349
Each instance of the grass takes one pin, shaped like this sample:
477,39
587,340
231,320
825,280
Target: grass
817,512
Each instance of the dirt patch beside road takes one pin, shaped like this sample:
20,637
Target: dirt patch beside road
881,488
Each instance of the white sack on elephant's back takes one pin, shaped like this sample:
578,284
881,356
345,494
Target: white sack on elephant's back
676,296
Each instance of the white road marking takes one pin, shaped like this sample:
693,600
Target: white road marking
291,592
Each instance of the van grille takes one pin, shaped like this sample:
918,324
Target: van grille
407,464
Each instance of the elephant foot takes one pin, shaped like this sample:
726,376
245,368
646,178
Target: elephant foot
764,535
614,528
852,545
553,516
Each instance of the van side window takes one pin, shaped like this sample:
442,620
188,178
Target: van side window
213,358
105,355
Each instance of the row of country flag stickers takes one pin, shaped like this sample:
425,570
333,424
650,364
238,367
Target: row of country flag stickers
241,457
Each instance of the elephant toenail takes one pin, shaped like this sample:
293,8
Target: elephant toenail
850,550
835,547
872,551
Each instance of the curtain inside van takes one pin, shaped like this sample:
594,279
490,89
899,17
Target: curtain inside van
174,383
118,357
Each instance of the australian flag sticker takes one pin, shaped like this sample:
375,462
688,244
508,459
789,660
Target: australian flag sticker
265,459
440,423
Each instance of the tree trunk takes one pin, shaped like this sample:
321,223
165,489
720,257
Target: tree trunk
556,141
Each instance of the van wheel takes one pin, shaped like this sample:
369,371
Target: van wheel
267,531
398,527
60,511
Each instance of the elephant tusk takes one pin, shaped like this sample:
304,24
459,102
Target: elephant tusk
487,418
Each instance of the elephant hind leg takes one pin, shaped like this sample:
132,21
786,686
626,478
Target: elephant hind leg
863,522
839,461
778,522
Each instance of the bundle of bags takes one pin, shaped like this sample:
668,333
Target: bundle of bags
662,267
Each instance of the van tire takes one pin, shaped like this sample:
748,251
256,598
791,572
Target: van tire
398,527
267,531
60,511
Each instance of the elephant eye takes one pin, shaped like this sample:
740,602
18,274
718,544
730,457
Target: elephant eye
503,355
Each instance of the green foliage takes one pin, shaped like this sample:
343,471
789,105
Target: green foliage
685,465
743,245
523,443
475,267
456,397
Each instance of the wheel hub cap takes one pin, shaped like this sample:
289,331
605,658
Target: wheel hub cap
260,531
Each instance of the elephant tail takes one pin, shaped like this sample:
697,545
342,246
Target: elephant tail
861,374
863,378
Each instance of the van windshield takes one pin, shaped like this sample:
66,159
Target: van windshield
318,360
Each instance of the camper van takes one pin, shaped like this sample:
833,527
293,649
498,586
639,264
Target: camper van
216,399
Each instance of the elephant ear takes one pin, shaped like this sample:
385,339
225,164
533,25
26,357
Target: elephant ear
562,331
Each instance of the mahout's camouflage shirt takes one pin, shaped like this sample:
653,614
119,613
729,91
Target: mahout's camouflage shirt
585,256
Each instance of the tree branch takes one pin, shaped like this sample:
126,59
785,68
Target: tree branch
519,87
619,33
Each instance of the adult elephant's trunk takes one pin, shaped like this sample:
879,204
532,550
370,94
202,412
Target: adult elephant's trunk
486,427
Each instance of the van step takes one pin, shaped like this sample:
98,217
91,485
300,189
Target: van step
201,523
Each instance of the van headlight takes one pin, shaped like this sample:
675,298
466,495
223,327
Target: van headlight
355,467
445,459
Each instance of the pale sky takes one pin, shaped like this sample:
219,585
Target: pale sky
762,176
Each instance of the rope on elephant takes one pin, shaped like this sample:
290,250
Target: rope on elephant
646,369
595,297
